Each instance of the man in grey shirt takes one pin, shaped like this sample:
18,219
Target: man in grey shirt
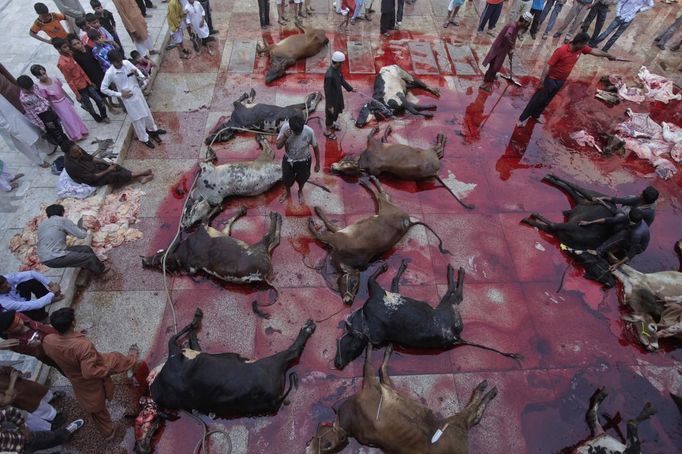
296,137
52,248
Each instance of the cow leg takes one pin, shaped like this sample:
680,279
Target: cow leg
266,149
633,445
383,370
283,358
373,287
387,132
414,110
332,227
577,193
477,404
456,289
395,283
227,230
252,96
173,345
241,99
323,237
421,107
592,416
271,240
368,379
413,82
439,147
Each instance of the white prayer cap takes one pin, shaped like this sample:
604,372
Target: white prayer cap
338,57
527,16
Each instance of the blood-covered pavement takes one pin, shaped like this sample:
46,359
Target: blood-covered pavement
572,341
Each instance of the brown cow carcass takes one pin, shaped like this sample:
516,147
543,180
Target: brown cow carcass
291,49
355,246
403,161
379,416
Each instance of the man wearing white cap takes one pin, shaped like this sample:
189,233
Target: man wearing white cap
333,80
502,47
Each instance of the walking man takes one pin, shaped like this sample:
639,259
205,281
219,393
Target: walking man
599,10
573,19
52,248
626,10
502,47
387,21
553,6
125,76
16,290
296,137
73,10
134,22
490,15
333,81
87,369
557,70
668,33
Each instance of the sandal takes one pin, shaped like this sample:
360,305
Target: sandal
330,136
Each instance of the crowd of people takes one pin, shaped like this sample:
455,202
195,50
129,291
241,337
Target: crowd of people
37,117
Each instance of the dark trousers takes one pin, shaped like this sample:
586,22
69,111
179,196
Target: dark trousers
401,8
330,117
37,289
207,9
387,22
264,12
88,95
491,73
298,171
617,27
535,25
45,439
598,11
670,31
53,127
541,98
78,257
118,41
142,6
490,15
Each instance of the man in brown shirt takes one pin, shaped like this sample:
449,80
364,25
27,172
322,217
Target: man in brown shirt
10,89
29,333
87,369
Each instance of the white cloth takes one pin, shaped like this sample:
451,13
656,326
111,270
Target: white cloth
20,133
143,125
143,47
66,187
194,16
126,78
41,418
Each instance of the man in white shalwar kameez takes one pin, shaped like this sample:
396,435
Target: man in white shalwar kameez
21,134
124,75
195,16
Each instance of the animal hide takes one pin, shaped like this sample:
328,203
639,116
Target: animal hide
584,139
109,218
657,88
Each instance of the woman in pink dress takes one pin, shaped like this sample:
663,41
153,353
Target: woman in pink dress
51,89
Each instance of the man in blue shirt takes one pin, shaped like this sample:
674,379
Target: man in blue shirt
16,290
101,49
626,10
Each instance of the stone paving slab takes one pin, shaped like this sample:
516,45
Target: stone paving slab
242,57
360,58
423,59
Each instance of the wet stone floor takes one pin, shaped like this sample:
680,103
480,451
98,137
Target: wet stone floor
572,341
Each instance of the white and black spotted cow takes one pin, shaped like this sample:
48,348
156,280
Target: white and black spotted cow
391,96
266,118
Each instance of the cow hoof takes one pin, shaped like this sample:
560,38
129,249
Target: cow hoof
309,327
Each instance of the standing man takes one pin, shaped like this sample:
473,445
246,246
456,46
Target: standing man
125,76
502,47
100,49
599,10
38,111
264,13
29,334
21,134
79,82
668,33
295,136
87,369
573,19
387,21
206,4
557,70
176,26
134,22
16,437
52,248
16,290
490,15
626,10
10,89
48,23
333,81
73,10
555,7
107,20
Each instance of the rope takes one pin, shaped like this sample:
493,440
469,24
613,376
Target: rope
200,447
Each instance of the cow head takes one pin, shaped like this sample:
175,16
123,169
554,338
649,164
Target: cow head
195,211
329,439
312,100
348,165
348,283
374,110
364,117
156,261
353,342
645,328
278,66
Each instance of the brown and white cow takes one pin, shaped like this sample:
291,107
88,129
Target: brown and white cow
655,300
291,49
402,161
354,247
379,416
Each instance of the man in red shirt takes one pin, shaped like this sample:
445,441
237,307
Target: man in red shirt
556,71
79,82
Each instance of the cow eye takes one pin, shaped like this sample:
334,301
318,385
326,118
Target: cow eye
652,327
327,444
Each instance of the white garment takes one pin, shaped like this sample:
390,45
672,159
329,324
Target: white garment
126,78
194,16
5,178
20,133
143,47
41,418
143,125
66,187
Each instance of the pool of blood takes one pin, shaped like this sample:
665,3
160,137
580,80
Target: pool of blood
573,341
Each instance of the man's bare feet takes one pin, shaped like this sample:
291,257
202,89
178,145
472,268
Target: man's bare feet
16,177
284,197
301,199
146,179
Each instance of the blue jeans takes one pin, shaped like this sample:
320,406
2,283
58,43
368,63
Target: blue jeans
598,11
358,9
619,25
490,15
555,13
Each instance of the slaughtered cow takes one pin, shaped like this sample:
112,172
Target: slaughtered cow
602,443
263,118
380,416
220,255
402,161
354,247
291,49
215,183
222,384
575,239
656,302
391,318
391,96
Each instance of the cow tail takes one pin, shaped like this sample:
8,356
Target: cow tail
293,382
515,356
441,248
461,202
256,307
